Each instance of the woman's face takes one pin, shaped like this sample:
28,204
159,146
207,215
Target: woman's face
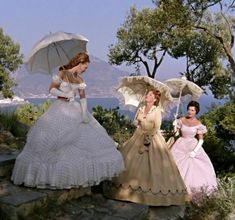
150,97
191,111
82,67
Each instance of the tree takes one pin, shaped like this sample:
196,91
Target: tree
139,42
204,55
10,59
222,26
220,138
174,27
203,60
219,26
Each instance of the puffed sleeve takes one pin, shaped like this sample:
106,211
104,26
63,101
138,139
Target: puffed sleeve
178,123
82,85
201,129
56,79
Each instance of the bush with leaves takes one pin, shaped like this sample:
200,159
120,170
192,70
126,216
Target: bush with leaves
10,59
220,138
13,133
7,120
218,205
28,113
168,129
118,126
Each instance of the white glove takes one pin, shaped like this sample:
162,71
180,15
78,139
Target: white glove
83,103
175,125
56,92
195,150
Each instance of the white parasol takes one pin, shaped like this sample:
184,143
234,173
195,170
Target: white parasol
55,49
133,89
181,87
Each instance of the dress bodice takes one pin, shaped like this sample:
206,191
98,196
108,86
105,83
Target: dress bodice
190,131
67,86
150,122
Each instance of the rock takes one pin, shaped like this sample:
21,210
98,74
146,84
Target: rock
19,202
166,212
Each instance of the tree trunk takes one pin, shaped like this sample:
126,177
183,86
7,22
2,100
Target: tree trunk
231,60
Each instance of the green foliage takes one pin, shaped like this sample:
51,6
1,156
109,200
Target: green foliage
167,127
195,33
7,120
28,114
216,206
118,126
11,126
10,59
42,107
10,123
220,138
139,41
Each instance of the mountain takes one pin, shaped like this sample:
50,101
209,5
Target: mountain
101,79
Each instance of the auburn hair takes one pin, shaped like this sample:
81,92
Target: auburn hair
157,95
79,58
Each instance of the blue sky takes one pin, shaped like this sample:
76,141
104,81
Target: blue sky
27,21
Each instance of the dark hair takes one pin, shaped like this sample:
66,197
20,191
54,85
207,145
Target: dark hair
157,95
79,58
194,104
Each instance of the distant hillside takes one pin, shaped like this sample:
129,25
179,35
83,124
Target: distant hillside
101,79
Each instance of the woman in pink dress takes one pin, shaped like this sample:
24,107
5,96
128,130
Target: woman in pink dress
193,163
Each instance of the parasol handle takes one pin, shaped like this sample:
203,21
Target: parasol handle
177,109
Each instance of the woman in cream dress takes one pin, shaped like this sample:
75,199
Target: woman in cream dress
151,176
67,147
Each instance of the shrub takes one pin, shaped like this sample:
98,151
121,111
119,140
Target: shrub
216,206
220,138
7,119
28,114
118,126
13,133
168,129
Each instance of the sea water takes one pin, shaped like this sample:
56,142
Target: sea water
105,103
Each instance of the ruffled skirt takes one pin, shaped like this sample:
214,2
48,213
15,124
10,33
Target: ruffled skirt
151,176
63,152
198,173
